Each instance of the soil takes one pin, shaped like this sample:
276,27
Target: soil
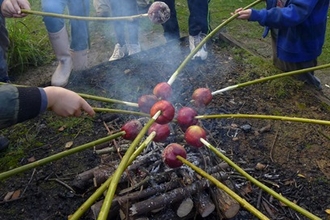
296,155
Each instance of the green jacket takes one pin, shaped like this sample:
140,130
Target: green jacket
18,104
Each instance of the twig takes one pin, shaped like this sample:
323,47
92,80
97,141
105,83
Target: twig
34,171
273,147
64,184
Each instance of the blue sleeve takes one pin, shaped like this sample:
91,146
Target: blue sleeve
292,15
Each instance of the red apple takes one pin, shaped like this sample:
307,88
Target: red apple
162,131
167,111
132,129
202,97
145,102
186,117
163,90
170,152
159,12
193,135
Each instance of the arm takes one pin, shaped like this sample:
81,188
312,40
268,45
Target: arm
12,8
291,15
22,103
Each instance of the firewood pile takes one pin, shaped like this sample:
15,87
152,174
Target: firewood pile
150,190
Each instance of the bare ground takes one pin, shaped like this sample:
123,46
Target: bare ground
296,155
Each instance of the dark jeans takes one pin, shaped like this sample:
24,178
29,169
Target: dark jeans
198,19
4,43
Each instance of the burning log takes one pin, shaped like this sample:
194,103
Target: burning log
204,204
228,206
170,197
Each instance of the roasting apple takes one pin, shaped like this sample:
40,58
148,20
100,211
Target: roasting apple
159,12
162,131
132,129
145,102
163,90
186,117
167,111
202,97
193,135
170,152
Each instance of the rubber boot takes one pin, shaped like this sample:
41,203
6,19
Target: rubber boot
61,46
79,59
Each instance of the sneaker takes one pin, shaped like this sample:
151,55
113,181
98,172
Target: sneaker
193,42
118,53
4,143
133,48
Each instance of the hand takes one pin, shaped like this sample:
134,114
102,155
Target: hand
242,14
12,8
66,103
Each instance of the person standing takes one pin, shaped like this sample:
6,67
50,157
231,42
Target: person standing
9,8
198,23
297,30
127,32
71,54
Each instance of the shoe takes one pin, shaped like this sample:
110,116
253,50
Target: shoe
118,53
193,42
133,48
4,143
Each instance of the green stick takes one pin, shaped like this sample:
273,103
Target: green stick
208,37
58,156
220,185
103,99
120,169
259,184
130,18
120,111
99,192
273,117
291,73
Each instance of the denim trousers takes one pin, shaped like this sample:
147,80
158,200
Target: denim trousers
79,28
4,43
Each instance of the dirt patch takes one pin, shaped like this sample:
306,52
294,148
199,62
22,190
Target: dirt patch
296,155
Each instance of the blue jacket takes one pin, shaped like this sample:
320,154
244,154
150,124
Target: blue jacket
20,103
301,25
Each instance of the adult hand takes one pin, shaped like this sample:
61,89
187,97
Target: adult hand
66,103
243,14
12,8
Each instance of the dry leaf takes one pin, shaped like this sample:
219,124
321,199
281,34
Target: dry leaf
31,159
62,128
68,144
